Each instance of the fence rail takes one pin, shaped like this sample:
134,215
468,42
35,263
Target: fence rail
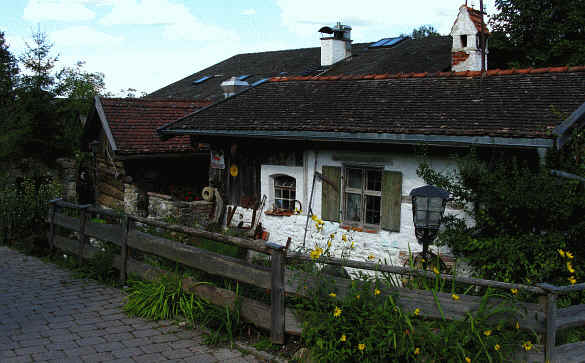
543,317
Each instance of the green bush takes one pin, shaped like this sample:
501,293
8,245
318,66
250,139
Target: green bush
24,206
523,217
368,326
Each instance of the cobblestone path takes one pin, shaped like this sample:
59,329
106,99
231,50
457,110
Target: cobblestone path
47,315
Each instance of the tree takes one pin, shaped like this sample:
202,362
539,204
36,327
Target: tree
527,33
424,31
8,73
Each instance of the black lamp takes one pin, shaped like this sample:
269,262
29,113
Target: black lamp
428,206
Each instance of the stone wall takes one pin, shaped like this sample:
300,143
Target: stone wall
161,207
67,177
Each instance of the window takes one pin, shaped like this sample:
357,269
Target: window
463,41
284,192
362,196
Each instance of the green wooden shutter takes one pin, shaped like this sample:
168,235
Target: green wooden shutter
391,200
329,196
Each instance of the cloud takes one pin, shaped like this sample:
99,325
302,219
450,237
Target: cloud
370,19
177,20
249,12
83,36
57,10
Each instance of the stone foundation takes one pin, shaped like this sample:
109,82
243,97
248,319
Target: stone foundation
67,177
161,207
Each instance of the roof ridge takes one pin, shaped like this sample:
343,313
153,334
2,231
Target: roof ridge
492,72
130,99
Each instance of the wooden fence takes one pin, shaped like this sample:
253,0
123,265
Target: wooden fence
543,317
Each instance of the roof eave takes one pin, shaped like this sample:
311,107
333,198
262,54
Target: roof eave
105,125
563,131
388,138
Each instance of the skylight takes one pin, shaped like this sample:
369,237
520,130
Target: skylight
201,80
243,77
386,42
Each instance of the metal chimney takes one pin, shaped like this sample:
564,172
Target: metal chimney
233,86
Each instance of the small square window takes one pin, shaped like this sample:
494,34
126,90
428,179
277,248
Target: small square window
284,192
363,196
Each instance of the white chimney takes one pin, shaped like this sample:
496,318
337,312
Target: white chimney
466,34
337,45
233,86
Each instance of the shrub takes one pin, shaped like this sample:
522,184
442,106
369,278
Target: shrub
24,206
523,217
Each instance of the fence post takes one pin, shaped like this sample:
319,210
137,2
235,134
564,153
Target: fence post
277,293
124,244
82,237
551,329
52,225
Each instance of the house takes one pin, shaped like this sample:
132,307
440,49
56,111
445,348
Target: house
337,55
132,167
361,134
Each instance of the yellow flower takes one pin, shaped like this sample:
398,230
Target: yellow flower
314,218
562,253
487,333
497,347
361,346
514,291
569,255
329,244
337,312
357,297
436,270
455,297
352,244
376,292
517,325
527,345
417,351
416,311
343,338
332,235
396,308
570,268
344,237
332,294
572,280
371,257
316,253
467,360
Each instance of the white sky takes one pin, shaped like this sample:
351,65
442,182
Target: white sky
147,44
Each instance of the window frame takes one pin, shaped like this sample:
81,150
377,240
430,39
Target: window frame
363,192
282,188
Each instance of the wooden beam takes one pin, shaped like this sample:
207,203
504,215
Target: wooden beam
256,245
213,263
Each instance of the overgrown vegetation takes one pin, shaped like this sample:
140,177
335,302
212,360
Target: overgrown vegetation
367,324
165,299
24,206
523,217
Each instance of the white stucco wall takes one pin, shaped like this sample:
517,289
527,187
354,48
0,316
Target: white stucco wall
464,26
383,244
332,51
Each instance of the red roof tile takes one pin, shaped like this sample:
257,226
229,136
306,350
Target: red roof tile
133,122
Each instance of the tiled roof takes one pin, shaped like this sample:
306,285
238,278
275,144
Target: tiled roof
476,17
420,55
525,103
133,122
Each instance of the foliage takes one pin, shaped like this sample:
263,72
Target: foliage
8,76
42,119
367,325
24,206
424,31
166,299
542,33
523,215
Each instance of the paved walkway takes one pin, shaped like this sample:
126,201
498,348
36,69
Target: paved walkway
47,315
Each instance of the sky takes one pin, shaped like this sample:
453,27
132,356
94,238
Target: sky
148,44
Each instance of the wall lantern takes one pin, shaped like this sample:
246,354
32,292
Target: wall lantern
428,206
